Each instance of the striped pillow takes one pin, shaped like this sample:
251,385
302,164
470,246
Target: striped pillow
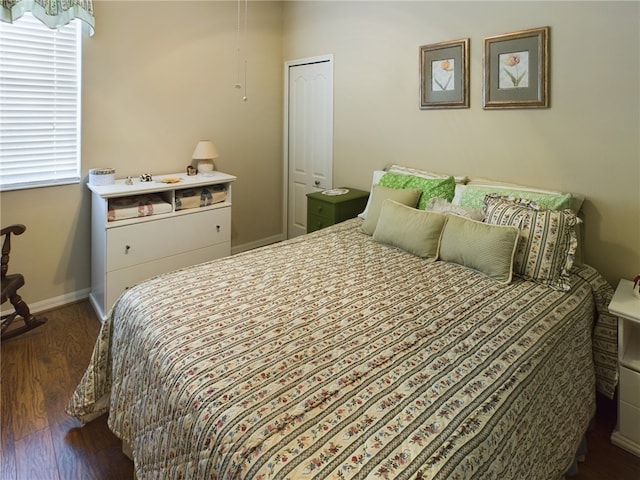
547,243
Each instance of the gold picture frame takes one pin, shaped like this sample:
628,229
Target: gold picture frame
516,70
444,75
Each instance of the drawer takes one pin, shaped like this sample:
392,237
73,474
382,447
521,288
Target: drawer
321,209
350,209
629,421
119,280
315,222
630,386
134,244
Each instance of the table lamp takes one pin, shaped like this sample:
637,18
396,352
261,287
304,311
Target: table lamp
205,153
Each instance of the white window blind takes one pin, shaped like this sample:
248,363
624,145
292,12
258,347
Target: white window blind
40,75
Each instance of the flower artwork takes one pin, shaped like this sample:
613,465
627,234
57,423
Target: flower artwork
442,72
514,70
444,75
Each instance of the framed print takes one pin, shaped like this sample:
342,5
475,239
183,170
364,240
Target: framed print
444,75
516,70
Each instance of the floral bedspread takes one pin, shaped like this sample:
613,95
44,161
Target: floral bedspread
333,356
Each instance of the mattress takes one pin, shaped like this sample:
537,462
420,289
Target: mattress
333,356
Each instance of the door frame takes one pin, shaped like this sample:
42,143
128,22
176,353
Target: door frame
328,58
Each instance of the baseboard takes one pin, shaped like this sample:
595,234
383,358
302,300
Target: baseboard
55,302
257,244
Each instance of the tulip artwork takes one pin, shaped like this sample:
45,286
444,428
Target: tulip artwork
514,73
442,75
516,70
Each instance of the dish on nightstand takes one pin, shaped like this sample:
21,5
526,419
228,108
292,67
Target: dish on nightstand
335,191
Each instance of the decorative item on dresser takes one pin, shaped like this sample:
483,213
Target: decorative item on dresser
205,153
191,214
627,307
334,206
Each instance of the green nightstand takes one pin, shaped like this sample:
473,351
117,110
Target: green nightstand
325,210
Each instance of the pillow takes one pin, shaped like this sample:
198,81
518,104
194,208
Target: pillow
440,205
378,195
458,193
460,179
377,175
547,244
488,249
431,187
415,231
475,191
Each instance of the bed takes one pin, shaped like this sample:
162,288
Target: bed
342,354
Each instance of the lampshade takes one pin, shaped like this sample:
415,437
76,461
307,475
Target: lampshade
205,150
205,153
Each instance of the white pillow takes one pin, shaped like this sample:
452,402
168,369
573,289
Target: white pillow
416,172
441,205
377,175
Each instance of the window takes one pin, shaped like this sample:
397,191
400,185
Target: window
40,73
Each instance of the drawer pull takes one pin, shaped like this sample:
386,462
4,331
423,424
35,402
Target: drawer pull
126,249
218,228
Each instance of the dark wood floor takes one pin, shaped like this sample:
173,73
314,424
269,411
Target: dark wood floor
40,369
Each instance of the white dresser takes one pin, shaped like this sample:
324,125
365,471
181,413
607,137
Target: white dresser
627,308
127,251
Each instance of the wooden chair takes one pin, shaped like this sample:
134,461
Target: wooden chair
10,285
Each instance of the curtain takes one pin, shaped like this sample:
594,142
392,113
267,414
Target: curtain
53,13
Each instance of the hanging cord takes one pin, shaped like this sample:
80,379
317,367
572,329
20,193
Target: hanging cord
246,43
240,47
238,84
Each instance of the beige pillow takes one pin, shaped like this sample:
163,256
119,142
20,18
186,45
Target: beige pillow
415,231
480,246
441,205
379,194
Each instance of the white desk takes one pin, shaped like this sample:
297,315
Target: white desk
627,307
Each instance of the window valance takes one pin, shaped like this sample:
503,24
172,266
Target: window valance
53,13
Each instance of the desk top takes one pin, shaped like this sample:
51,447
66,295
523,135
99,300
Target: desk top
624,303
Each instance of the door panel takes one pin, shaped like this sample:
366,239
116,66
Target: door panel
309,136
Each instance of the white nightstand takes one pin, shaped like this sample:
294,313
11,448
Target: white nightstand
627,307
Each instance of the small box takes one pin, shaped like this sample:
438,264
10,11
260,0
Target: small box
102,176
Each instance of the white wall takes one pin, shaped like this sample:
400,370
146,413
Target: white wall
586,142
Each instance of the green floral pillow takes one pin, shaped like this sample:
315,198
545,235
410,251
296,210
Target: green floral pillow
473,196
431,187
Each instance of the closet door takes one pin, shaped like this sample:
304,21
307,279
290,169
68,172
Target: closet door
309,132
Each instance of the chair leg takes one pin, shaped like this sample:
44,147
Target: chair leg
22,310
